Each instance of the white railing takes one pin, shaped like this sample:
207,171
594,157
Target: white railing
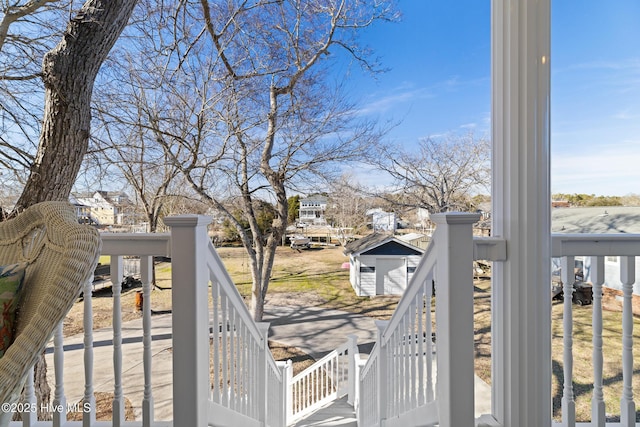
247,385
73,388
222,372
328,379
397,383
595,249
400,385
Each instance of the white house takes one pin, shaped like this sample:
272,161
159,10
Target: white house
102,207
382,221
312,210
381,264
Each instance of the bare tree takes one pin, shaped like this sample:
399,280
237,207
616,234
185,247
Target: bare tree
237,93
68,73
348,204
440,174
28,29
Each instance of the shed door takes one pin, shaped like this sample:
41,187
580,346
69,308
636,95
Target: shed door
390,276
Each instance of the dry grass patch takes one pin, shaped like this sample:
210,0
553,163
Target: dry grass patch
582,353
314,276
102,303
104,408
299,359
582,360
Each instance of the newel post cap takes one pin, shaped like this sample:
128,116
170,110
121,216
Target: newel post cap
455,218
187,220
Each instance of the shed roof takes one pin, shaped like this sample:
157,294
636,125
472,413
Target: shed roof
375,240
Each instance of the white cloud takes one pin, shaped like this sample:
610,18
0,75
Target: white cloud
611,170
392,101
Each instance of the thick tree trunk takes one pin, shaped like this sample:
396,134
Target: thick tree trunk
69,72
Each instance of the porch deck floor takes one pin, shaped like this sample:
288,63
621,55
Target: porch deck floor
337,413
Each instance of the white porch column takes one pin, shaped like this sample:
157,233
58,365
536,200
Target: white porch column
521,309
190,322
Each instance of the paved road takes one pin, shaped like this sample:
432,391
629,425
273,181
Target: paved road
317,331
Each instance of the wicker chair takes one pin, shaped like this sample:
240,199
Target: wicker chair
61,256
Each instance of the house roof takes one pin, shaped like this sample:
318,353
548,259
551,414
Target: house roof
315,198
376,240
605,219
411,236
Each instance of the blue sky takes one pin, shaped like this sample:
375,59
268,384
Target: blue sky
439,81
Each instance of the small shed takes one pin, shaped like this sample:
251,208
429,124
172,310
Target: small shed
381,264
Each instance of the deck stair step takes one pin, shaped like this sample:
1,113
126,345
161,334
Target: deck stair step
336,413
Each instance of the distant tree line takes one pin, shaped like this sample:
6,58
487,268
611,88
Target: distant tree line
588,199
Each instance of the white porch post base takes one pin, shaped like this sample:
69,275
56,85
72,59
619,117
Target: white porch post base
190,322
454,317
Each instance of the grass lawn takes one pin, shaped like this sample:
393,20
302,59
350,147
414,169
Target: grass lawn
582,352
315,271
582,365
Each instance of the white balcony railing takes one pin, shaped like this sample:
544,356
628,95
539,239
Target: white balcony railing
594,249
328,379
223,374
398,383
406,381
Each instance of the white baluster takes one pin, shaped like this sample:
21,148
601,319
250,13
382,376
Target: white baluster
353,366
289,394
88,417
232,358
59,399
146,276
568,402
627,405
428,337
225,355
404,380
242,372
393,365
413,310
382,374
29,418
597,400
421,343
215,293
116,271
263,409
251,392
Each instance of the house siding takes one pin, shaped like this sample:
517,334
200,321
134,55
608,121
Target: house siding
612,273
381,265
367,279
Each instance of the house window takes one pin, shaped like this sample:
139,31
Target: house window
365,269
411,269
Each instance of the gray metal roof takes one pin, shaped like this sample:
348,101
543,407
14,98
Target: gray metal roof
606,219
374,240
